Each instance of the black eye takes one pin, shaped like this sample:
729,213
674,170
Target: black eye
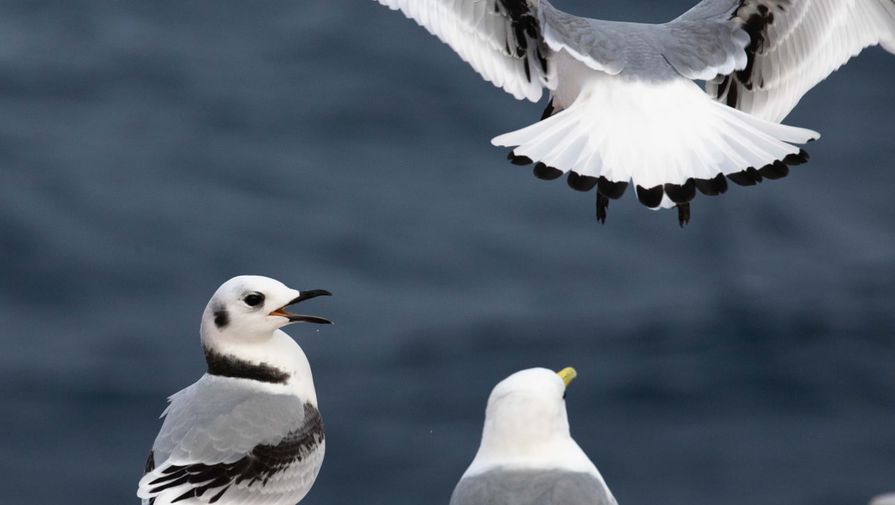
253,299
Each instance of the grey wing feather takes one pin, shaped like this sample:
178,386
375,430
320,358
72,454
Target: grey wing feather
705,42
220,420
222,435
531,487
500,39
795,44
699,45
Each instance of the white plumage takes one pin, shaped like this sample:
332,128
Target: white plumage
527,455
248,431
623,106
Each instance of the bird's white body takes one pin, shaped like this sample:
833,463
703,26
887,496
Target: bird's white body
527,454
249,431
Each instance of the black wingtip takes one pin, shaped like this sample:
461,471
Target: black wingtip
651,197
681,193
518,160
544,172
712,187
611,189
580,182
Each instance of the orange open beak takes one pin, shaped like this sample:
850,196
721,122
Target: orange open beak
299,318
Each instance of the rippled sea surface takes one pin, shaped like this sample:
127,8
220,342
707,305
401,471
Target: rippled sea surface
151,150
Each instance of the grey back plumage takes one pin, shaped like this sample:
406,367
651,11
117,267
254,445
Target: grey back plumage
531,487
218,419
700,44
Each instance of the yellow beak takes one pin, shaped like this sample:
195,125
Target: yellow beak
567,375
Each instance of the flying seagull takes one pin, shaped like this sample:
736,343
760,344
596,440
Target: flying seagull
624,106
527,456
248,431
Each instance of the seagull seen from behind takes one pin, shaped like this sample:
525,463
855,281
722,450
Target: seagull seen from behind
624,106
249,430
527,455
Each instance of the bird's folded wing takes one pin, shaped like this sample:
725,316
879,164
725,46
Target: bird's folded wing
794,45
219,419
221,431
500,39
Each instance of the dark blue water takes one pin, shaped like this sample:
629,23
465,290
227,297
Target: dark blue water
151,150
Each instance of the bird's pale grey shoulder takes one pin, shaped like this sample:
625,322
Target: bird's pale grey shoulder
259,465
729,43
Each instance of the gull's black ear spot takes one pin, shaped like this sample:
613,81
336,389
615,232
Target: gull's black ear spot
221,317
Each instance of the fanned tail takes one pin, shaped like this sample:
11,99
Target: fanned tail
670,139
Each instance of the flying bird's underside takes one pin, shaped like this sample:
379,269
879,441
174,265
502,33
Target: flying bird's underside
624,107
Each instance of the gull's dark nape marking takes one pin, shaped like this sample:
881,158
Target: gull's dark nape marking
230,366
259,465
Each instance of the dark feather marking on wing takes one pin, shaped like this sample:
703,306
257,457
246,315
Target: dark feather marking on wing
545,172
756,26
150,466
611,189
776,170
580,182
524,37
259,465
681,193
651,197
712,187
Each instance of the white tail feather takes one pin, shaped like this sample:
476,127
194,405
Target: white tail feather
653,134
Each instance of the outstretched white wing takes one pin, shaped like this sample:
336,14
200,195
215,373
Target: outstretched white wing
795,44
500,39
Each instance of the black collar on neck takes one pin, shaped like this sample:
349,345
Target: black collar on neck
226,365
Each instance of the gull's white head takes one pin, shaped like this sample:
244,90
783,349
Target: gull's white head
250,308
526,425
242,339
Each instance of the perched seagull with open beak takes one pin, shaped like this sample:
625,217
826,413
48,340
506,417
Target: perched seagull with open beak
623,105
527,455
248,431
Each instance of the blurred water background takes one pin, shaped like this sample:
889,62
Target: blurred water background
151,150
